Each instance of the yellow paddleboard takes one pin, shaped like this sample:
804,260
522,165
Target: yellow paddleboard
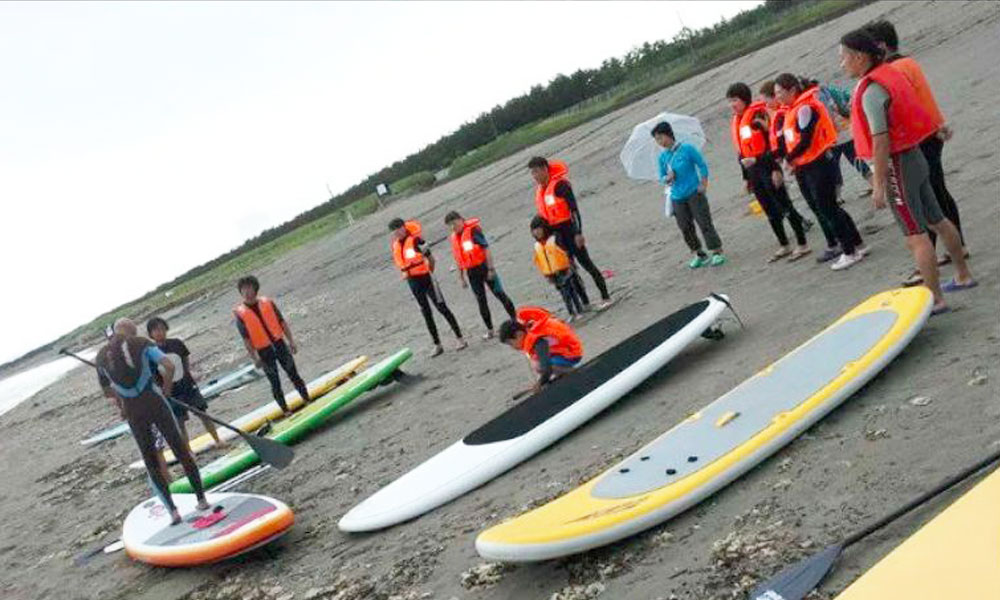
271,411
956,555
723,440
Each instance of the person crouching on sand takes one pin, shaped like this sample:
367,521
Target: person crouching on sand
684,168
126,366
552,346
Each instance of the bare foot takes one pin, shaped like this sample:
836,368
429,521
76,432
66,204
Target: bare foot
175,517
203,504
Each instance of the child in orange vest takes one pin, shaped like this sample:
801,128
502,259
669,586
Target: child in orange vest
554,263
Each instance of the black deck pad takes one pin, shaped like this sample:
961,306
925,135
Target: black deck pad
566,390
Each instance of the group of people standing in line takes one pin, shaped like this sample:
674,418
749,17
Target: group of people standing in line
890,120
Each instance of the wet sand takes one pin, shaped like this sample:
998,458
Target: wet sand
344,298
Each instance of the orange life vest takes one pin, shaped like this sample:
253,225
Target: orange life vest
748,141
552,208
774,125
540,323
467,252
915,75
550,258
909,121
824,133
410,260
262,333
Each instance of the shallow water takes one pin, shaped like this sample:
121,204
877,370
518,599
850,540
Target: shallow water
18,388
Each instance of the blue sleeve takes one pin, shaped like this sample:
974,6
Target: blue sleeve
154,355
699,161
663,165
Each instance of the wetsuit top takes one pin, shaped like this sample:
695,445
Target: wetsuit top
133,375
565,191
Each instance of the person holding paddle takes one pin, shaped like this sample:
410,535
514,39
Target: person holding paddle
126,368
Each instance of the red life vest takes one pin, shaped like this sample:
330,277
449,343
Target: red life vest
405,254
774,127
824,133
540,323
550,258
909,121
262,334
748,141
467,252
552,208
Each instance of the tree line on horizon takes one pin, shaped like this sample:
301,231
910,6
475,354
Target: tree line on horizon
540,102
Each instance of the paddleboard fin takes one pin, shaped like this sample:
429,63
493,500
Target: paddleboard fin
725,300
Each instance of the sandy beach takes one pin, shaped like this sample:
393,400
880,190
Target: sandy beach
344,298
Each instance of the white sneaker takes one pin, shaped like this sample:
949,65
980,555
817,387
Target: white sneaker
846,261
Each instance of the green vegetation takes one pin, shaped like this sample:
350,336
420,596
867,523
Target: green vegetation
567,101
700,58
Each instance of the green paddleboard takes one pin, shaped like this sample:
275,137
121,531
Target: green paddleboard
290,430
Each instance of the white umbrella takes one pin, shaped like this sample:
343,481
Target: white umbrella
641,153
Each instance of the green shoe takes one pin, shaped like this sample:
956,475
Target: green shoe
698,262
716,260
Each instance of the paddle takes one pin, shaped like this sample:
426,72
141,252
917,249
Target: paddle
270,452
796,581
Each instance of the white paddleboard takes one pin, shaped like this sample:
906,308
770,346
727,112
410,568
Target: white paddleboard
527,428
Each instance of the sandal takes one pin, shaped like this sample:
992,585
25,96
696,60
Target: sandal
799,253
781,253
955,286
915,278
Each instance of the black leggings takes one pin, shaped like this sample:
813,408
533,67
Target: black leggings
818,184
278,354
775,203
565,282
425,292
145,412
479,282
932,147
566,237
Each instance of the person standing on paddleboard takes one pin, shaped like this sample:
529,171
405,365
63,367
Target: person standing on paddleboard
126,368
552,346
264,329
809,134
889,123
555,202
416,266
684,169
475,261
749,131
885,36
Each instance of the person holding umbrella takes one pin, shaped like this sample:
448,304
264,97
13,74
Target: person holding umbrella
683,168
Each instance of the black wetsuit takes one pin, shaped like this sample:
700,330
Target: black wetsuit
276,354
566,235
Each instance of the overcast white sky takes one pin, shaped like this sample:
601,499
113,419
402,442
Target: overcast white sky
189,127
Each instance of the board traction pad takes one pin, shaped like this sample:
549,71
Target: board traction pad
782,387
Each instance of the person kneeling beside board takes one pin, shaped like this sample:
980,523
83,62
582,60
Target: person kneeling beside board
551,345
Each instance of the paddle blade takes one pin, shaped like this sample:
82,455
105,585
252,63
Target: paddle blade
271,452
794,582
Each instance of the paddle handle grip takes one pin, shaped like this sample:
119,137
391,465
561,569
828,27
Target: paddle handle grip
949,483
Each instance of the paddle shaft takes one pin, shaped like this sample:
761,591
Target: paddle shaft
183,404
269,451
945,486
